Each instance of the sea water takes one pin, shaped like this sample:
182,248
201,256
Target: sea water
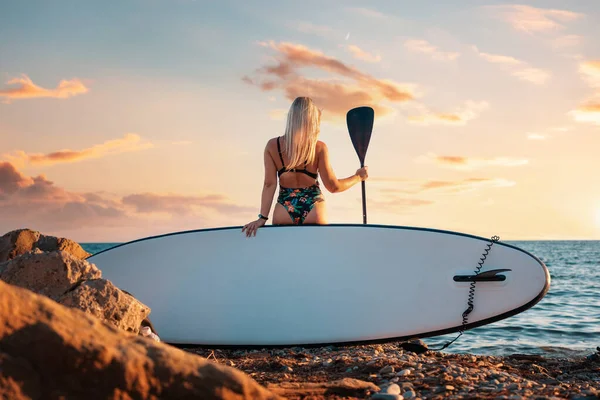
565,323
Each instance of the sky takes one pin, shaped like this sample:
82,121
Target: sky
122,120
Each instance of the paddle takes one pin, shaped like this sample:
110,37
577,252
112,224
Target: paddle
360,125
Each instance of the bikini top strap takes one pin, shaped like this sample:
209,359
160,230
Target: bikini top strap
280,156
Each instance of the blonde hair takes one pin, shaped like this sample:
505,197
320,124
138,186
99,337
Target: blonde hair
301,132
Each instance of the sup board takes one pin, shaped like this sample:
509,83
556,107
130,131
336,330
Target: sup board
321,284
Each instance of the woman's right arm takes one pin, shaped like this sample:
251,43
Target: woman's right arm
331,182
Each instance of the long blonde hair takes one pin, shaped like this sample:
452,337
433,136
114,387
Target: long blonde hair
301,132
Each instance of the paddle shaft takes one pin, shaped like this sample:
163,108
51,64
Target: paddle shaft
364,197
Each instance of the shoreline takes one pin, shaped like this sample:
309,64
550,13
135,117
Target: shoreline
386,371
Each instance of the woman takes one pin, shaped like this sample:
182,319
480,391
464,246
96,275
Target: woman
297,159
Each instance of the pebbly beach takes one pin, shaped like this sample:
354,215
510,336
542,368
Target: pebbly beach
387,371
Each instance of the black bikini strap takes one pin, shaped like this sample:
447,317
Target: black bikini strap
279,151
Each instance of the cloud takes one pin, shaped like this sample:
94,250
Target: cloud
516,67
130,142
394,186
458,117
588,112
36,202
535,136
470,163
534,20
499,59
423,46
360,54
349,87
590,72
182,205
564,41
26,89
465,185
533,75
395,204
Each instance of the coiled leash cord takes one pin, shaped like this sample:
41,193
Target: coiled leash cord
471,297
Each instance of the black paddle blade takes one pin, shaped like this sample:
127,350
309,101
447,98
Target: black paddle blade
360,126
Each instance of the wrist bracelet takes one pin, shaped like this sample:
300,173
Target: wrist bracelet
263,217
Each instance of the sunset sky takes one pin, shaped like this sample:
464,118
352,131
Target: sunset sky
120,120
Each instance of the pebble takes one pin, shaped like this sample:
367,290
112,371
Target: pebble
388,369
392,389
409,395
327,362
404,372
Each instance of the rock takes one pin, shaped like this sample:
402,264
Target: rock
52,351
347,387
146,331
416,346
392,389
105,301
51,274
404,372
409,395
21,241
388,369
75,283
18,377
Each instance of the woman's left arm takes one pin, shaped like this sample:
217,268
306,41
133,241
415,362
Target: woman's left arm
268,191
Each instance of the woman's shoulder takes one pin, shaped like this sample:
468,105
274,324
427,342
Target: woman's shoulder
321,146
272,143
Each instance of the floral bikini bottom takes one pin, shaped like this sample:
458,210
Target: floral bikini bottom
299,201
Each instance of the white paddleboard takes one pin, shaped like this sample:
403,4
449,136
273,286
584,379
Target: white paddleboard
320,284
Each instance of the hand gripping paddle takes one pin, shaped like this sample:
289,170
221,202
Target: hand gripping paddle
360,126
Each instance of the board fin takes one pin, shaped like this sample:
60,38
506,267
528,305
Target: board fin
487,276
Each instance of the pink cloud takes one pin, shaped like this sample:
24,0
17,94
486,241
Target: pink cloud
37,203
587,112
350,87
469,163
531,19
361,54
130,142
459,117
26,89
424,47
516,67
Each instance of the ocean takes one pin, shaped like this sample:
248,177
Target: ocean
565,323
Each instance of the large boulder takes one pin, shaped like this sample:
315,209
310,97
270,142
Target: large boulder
22,241
75,283
48,351
51,274
102,299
